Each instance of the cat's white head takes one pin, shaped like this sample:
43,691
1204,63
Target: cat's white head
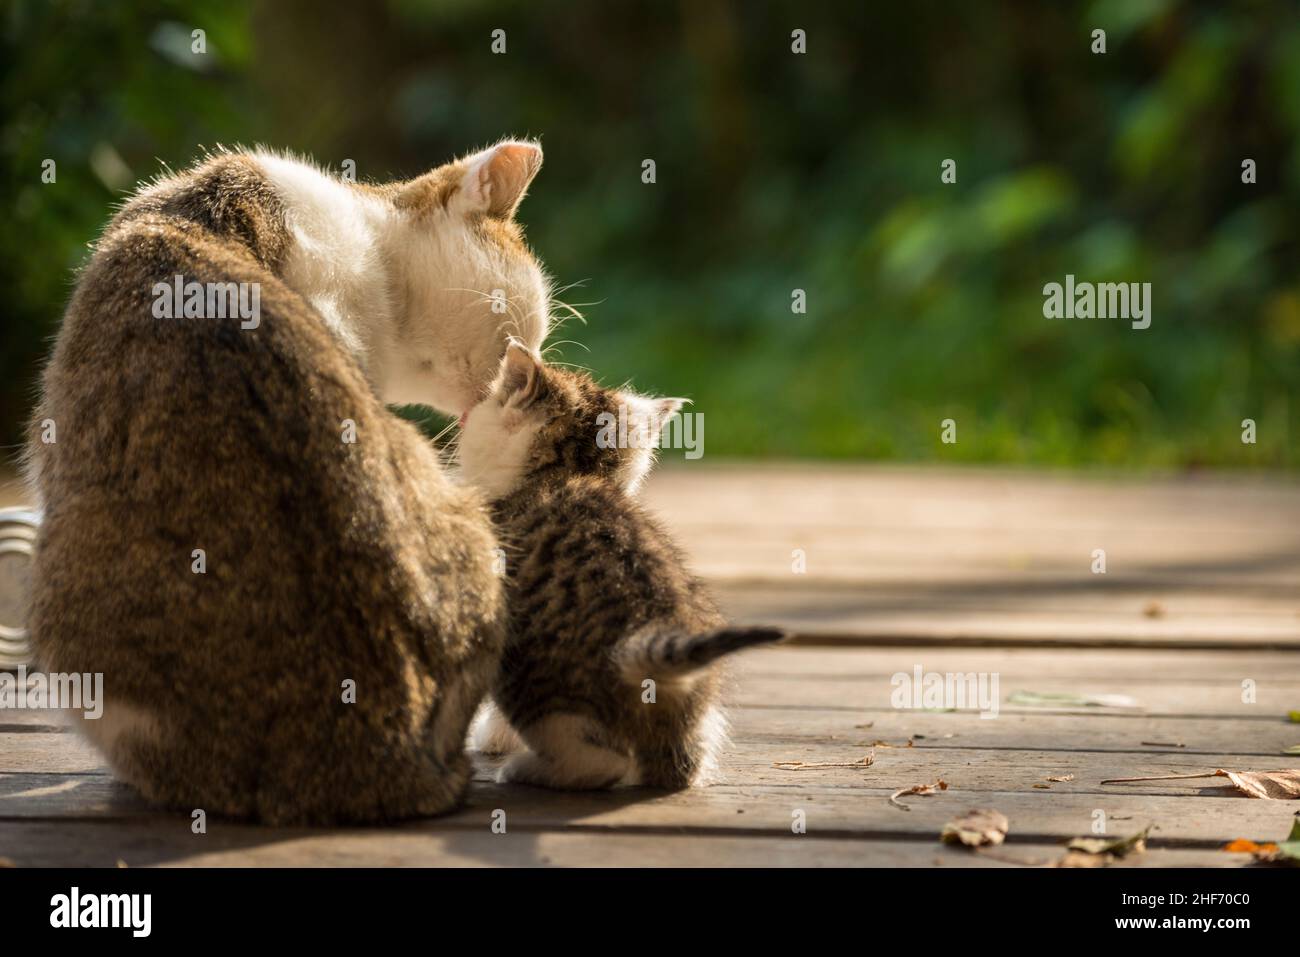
464,281
536,418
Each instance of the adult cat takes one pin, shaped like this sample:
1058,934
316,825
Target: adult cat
293,608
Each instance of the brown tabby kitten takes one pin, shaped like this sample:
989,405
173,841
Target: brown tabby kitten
608,672
294,609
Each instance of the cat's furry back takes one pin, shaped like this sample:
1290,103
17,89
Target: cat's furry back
336,571
608,672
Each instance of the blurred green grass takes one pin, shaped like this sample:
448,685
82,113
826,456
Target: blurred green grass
774,172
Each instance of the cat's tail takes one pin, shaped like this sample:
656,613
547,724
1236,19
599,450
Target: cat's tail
665,655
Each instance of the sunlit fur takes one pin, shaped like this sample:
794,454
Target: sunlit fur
336,552
420,279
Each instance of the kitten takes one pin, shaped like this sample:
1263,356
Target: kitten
293,607
608,672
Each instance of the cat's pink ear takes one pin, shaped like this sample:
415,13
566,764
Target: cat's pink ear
521,376
497,178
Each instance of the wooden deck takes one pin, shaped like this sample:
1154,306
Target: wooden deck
949,571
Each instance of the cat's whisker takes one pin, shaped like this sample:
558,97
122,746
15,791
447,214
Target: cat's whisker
572,365
572,308
573,285
565,342
445,429
478,292
573,342
517,311
518,317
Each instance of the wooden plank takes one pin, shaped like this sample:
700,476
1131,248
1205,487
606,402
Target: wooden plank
738,552
750,759
1274,698
144,844
832,733
1071,597
49,754
1204,822
858,811
1028,664
1008,769
1056,614
1168,683
838,495
780,727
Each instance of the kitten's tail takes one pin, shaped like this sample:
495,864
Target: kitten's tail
655,653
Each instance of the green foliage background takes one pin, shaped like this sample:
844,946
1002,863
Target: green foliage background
775,171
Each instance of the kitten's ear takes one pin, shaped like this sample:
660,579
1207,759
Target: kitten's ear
497,178
667,408
664,409
521,376
650,415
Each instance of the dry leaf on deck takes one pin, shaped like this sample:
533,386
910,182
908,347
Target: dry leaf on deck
922,789
1082,859
977,828
1119,846
1103,851
1270,785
